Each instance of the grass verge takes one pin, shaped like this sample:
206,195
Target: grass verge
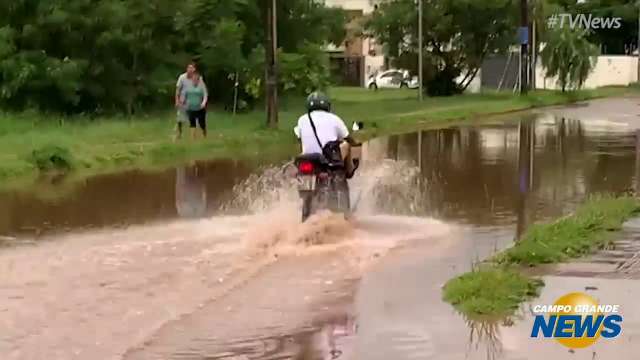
490,291
497,287
32,143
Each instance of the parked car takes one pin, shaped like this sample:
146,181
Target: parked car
392,79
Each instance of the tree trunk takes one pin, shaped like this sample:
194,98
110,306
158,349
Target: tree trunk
470,79
271,77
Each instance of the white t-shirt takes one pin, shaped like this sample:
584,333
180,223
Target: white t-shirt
328,126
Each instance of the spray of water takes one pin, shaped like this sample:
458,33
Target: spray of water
270,189
388,187
271,200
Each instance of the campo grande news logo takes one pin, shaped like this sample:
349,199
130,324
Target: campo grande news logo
577,321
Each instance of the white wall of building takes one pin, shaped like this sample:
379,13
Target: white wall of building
371,63
476,84
609,70
365,5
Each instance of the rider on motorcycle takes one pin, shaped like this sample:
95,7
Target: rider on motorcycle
319,128
329,158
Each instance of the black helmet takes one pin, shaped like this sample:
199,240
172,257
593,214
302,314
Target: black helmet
318,101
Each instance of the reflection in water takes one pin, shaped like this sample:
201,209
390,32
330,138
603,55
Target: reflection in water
516,173
486,334
191,192
525,173
323,344
128,198
322,341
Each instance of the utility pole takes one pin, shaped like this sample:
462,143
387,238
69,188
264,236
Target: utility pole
534,56
637,184
420,50
271,75
524,48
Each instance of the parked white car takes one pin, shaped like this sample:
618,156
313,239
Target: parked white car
392,79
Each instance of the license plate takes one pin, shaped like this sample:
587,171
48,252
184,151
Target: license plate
306,182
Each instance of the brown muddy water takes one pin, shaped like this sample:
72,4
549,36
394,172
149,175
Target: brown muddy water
209,261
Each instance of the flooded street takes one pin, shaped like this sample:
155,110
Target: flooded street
209,260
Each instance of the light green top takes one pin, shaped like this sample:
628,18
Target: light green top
193,95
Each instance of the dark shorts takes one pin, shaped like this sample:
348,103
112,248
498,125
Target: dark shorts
198,117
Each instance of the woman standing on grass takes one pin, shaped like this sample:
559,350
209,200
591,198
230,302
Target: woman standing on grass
195,100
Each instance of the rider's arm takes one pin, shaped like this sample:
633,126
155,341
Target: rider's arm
343,133
351,141
296,131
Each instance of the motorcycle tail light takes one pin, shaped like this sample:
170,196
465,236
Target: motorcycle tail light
306,167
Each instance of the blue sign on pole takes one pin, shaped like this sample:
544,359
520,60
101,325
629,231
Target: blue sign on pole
523,35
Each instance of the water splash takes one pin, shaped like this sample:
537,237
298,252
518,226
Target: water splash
382,187
270,202
272,189
388,187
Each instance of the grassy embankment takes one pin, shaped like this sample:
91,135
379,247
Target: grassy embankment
31,144
497,287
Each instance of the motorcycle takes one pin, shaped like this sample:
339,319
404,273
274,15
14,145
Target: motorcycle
323,184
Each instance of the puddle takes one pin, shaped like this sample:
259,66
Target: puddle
120,200
485,176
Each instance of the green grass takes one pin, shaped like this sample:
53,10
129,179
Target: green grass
497,287
87,146
573,236
490,291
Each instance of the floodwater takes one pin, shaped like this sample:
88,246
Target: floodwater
120,200
209,261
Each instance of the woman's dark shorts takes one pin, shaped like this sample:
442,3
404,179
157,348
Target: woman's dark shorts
198,117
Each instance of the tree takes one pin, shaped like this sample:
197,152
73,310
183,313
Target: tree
83,55
458,35
611,41
89,56
569,56
239,32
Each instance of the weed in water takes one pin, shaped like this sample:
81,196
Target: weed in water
490,291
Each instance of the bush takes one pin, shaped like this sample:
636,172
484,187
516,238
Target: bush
52,157
87,56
